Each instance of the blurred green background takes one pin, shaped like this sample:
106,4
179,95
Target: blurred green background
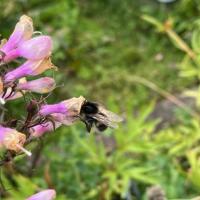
136,57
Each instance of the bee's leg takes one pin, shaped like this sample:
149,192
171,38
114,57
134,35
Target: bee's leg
88,125
88,122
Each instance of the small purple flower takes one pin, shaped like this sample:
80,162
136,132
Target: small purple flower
41,129
49,194
23,31
41,85
29,68
34,49
70,107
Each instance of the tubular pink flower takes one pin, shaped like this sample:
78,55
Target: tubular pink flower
53,108
29,68
49,194
70,107
23,31
41,85
40,130
34,49
11,139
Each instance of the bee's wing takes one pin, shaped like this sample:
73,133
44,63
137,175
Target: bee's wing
107,117
109,114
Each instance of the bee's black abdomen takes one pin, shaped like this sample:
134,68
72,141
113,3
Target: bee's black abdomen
101,127
89,108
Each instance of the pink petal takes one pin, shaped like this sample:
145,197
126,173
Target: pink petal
41,85
64,119
39,130
36,48
29,68
53,108
44,195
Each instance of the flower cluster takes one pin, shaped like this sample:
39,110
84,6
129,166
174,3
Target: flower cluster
41,118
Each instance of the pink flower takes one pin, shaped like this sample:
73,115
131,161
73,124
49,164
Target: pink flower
39,130
70,107
53,108
49,194
41,85
34,49
29,68
23,31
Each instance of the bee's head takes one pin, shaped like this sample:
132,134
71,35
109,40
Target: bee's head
89,108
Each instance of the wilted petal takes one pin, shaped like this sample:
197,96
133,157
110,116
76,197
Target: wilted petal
41,85
11,139
39,130
74,105
22,32
44,195
29,68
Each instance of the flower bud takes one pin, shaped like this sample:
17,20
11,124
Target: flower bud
32,107
41,85
23,31
49,194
